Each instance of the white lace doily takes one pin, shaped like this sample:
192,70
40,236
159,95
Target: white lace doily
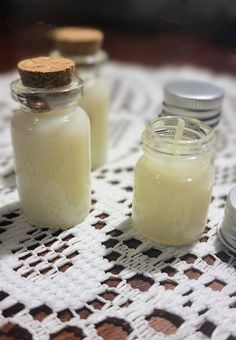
101,279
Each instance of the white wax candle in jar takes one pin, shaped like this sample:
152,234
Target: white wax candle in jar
51,141
173,180
83,45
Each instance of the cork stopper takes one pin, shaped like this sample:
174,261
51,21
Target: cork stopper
46,72
72,41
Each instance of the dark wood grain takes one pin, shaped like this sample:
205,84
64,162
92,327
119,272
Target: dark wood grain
147,48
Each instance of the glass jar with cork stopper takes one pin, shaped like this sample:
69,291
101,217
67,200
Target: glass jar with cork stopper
83,45
51,142
174,180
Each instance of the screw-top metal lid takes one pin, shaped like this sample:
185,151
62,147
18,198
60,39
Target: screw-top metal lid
193,95
227,228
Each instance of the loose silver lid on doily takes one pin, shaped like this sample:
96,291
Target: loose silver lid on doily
193,95
227,228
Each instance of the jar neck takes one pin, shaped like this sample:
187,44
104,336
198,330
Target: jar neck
87,66
36,100
173,163
88,73
162,139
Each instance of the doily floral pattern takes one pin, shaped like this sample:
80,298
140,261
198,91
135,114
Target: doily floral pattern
101,279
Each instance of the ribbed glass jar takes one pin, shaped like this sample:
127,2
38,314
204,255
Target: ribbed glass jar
173,181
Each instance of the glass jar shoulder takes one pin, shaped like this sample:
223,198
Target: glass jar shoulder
193,171
96,87
49,124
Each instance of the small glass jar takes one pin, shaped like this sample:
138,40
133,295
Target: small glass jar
95,101
173,181
89,58
51,142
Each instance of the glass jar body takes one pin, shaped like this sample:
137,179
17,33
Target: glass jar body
95,101
174,180
171,202
52,160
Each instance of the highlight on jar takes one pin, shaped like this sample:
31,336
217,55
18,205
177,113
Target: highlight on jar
174,180
83,45
51,143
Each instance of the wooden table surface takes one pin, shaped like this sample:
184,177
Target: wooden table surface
147,48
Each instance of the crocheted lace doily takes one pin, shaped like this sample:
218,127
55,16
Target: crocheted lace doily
101,279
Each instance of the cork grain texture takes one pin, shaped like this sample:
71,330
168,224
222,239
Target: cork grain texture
77,40
46,72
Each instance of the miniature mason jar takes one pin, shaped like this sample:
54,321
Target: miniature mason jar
83,45
173,180
51,142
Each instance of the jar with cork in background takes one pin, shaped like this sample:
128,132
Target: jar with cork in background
83,45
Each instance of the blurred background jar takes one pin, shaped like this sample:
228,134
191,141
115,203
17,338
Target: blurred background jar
83,45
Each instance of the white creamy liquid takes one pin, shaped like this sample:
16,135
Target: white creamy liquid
95,101
171,202
52,159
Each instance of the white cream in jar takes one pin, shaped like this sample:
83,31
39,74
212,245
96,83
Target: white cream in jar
95,101
173,180
51,142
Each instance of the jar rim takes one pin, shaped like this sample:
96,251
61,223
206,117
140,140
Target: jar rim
17,87
89,60
43,99
159,134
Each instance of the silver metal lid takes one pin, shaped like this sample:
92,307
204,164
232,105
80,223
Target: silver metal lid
227,228
193,95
